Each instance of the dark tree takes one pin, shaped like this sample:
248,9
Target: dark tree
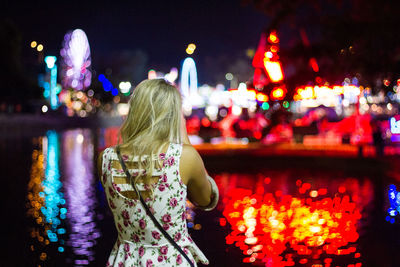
348,38
15,86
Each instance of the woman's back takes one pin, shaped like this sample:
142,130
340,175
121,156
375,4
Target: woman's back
139,241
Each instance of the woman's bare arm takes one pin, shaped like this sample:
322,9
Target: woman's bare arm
199,188
202,189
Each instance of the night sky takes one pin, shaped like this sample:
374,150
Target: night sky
162,29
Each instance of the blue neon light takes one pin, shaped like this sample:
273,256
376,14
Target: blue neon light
50,87
188,72
107,85
394,125
394,202
114,91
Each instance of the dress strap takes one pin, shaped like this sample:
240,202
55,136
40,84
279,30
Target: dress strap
150,214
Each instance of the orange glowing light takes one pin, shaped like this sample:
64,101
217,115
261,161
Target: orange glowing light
273,38
323,92
278,93
274,49
274,70
262,98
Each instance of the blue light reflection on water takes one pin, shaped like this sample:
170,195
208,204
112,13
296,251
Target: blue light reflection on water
45,199
80,192
53,197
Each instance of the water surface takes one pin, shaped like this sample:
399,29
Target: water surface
268,215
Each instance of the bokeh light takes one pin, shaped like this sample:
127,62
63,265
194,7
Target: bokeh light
281,229
229,76
44,108
124,87
76,61
45,199
190,49
78,152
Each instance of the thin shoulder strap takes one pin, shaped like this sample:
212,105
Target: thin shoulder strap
156,223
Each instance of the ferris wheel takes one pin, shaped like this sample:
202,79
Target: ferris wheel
76,61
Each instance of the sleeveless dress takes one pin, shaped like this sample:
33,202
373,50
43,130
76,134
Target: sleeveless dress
139,241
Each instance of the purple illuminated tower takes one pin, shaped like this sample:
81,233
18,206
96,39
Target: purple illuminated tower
76,61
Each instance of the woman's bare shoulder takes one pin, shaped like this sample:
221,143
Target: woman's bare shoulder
189,153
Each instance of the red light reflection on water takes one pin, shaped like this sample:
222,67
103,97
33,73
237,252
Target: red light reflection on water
284,230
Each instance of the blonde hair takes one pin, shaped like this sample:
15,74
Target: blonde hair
154,119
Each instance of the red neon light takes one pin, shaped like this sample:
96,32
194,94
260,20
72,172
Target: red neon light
260,53
205,122
257,135
313,64
386,82
258,81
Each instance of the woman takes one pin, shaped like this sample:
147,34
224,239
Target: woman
166,169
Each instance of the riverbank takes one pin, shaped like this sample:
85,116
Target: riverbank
21,125
222,156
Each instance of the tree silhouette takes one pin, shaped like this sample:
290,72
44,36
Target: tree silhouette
15,86
348,38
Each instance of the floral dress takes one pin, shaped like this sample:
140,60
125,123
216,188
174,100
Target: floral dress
139,241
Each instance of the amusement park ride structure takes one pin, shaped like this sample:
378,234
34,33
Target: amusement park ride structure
268,73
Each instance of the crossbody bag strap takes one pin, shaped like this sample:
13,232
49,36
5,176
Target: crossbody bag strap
156,223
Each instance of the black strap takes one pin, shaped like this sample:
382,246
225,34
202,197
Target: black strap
156,223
